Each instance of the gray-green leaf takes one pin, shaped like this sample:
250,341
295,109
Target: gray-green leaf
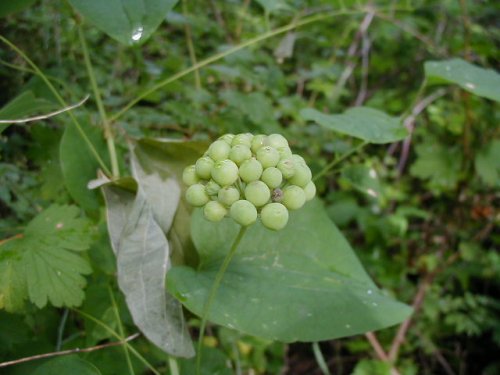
474,79
127,21
368,124
303,283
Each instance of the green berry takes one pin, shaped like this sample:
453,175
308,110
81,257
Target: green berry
268,156
225,172
284,152
196,195
277,141
250,170
219,150
189,176
214,211
310,190
258,141
239,154
302,175
298,160
272,177
228,195
274,216
212,188
243,139
228,138
257,193
204,167
243,212
286,167
294,197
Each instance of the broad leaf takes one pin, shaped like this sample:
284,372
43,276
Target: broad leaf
137,225
474,79
79,165
487,163
65,365
363,179
127,21
368,124
13,291
50,268
303,283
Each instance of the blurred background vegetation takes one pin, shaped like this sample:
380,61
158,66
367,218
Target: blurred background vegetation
421,213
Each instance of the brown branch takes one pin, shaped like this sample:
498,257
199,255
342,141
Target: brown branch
17,236
69,351
381,354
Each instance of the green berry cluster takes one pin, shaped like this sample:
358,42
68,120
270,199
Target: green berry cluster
244,176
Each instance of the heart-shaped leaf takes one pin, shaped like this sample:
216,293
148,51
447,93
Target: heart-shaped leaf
303,283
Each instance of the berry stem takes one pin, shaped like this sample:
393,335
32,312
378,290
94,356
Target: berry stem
213,291
339,159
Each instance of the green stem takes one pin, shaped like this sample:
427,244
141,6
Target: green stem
108,133
320,359
120,330
339,159
189,41
213,291
118,337
248,43
173,366
61,101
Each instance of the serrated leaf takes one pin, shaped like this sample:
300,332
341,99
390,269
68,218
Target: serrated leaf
487,163
472,78
127,21
64,365
438,164
303,283
368,124
79,165
51,270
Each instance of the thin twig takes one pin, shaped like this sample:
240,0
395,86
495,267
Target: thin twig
381,354
70,351
365,65
46,116
409,123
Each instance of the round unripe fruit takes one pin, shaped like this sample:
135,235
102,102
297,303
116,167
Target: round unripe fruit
284,152
243,139
189,176
268,156
243,212
214,211
298,160
250,170
219,150
286,167
212,188
277,141
294,197
228,138
228,195
310,190
257,193
272,177
239,154
196,195
302,176
204,167
274,216
258,141
225,172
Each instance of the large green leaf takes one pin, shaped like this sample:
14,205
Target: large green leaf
79,165
127,21
472,78
67,365
487,163
368,124
302,283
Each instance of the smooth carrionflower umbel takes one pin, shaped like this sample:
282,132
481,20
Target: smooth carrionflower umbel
245,176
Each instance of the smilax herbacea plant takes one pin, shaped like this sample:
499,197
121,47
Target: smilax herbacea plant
245,176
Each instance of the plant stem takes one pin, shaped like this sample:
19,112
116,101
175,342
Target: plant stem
108,133
320,359
61,101
339,159
173,366
213,291
189,42
280,30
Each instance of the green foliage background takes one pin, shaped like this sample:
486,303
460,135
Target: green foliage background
421,213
